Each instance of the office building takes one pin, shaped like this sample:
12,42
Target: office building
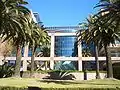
64,46
37,18
64,53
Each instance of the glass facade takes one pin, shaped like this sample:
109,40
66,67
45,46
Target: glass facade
65,46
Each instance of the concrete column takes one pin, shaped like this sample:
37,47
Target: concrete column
26,48
79,56
52,51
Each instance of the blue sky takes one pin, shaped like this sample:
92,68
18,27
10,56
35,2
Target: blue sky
63,12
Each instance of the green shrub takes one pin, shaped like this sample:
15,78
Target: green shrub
60,75
12,88
6,70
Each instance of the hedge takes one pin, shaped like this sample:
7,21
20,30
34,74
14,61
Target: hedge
79,89
12,88
36,88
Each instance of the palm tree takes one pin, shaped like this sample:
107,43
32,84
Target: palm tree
33,43
14,24
109,1
88,37
103,35
12,15
39,38
109,23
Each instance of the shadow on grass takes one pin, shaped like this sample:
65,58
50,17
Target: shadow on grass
69,82
63,82
34,88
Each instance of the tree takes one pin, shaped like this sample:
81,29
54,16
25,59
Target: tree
88,36
103,35
109,24
39,38
14,24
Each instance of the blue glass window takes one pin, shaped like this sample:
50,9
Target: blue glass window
65,46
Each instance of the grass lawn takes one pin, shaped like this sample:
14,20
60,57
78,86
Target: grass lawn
33,82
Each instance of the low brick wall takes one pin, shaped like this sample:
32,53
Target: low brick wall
78,75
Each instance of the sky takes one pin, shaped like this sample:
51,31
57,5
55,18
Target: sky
63,12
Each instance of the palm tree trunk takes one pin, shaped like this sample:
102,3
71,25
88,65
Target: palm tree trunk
32,61
108,62
18,62
46,62
97,63
85,70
